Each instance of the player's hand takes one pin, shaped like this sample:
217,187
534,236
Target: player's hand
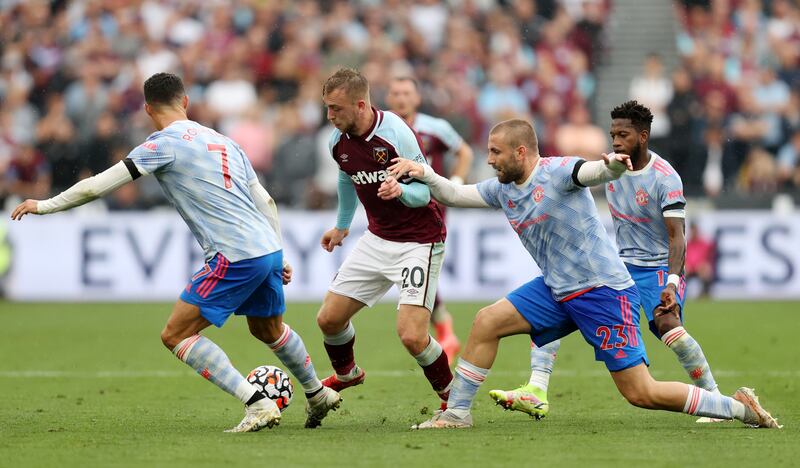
333,238
287,273
620,158
28,206
390,189
403,167
669,302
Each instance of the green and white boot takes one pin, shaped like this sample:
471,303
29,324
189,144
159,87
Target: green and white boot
527,398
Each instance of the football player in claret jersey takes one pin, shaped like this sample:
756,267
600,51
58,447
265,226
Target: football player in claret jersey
404,242
439,139
584,284
647,206
214,188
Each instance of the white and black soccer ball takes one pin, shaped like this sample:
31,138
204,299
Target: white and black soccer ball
273,383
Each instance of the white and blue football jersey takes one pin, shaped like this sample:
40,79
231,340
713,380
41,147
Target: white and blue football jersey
558,224
206,176
639,201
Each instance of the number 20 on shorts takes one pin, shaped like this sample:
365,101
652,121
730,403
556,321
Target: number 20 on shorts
416,275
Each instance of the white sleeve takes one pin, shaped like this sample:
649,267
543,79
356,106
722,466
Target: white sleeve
677,213
266,205
87,190
452,194
593,173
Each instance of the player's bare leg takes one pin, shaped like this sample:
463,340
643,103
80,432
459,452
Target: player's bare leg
640,389
492,323
290,349
443,323
181,336
412,328
340,337
688,352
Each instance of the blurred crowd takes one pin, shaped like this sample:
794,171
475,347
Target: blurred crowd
71,75
728,117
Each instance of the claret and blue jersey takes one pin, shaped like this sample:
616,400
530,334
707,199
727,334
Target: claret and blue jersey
438,138
363,162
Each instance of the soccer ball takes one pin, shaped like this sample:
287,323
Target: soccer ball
273,383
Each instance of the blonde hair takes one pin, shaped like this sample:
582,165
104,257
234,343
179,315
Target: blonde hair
354,84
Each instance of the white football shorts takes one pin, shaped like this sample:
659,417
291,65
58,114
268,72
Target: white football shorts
376,264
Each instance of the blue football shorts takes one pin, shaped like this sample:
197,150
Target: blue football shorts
651,281
608,320
252,287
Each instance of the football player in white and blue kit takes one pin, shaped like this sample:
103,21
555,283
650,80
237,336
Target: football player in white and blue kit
648,209
211,183
584,284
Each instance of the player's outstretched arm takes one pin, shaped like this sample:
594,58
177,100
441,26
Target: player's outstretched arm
611,167
84,191
447,192
28,206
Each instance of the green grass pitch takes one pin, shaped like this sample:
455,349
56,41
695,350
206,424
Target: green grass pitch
91,385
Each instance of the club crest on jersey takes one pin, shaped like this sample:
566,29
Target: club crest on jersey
511,204
538,193
641,197
610,187
381,154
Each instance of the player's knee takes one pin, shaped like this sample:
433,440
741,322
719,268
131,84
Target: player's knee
267,331
413,340
665,323
328,322
639,400
638,395
484,323
169,339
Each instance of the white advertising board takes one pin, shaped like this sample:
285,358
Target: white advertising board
149,256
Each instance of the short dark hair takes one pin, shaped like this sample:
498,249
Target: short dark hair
639,115
354,84
518,132
163,88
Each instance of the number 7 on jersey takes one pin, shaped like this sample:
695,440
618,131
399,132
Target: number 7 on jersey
217,148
